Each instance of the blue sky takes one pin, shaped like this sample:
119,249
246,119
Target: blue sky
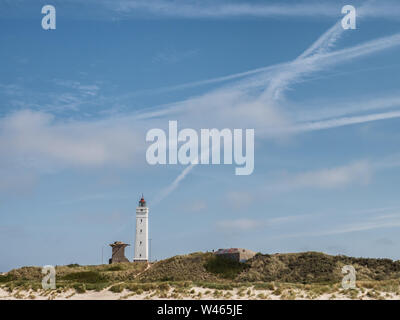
76,103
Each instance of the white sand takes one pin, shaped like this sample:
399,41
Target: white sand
235,294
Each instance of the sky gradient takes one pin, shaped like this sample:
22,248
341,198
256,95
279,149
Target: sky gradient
76,103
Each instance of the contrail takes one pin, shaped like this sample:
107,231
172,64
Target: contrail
174,184
324,42
345,121
311,60
305,63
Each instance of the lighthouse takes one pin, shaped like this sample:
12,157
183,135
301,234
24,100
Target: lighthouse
142,231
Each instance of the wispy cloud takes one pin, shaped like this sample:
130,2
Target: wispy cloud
321,110
359,172
39,136
344,121
117,141
336,177
316,57
85,89
49,143
11,89
371,223
369,220
356,173
261,111
207,9
232,9
303,64
245,224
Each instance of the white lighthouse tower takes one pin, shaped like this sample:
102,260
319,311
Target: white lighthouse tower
142,232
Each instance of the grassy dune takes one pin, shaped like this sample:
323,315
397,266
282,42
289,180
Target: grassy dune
287,276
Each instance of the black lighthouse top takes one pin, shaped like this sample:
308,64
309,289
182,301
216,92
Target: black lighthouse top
142,202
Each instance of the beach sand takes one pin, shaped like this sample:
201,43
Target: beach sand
194,293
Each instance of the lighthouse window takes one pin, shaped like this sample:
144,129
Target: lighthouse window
140,230
140,220
140,242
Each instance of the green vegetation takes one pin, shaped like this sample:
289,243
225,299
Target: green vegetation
6,278
97,286
180,268
80,287
85,277
224,267
72,265
291,276
116,268
264,285
316,267
117,288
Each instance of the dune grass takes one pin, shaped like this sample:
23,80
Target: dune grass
290,276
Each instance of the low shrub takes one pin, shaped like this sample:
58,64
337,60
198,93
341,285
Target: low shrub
224,267
79,287
85,277
118,288
6,278
163,286
73,265
97,286
264,286
116,268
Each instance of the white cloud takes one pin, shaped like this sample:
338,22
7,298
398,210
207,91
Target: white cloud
228,9
241,105
392,221
246,224
48,143
119,141
381,9
38,136
355,173
276,78
359,172
237,108
312,62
